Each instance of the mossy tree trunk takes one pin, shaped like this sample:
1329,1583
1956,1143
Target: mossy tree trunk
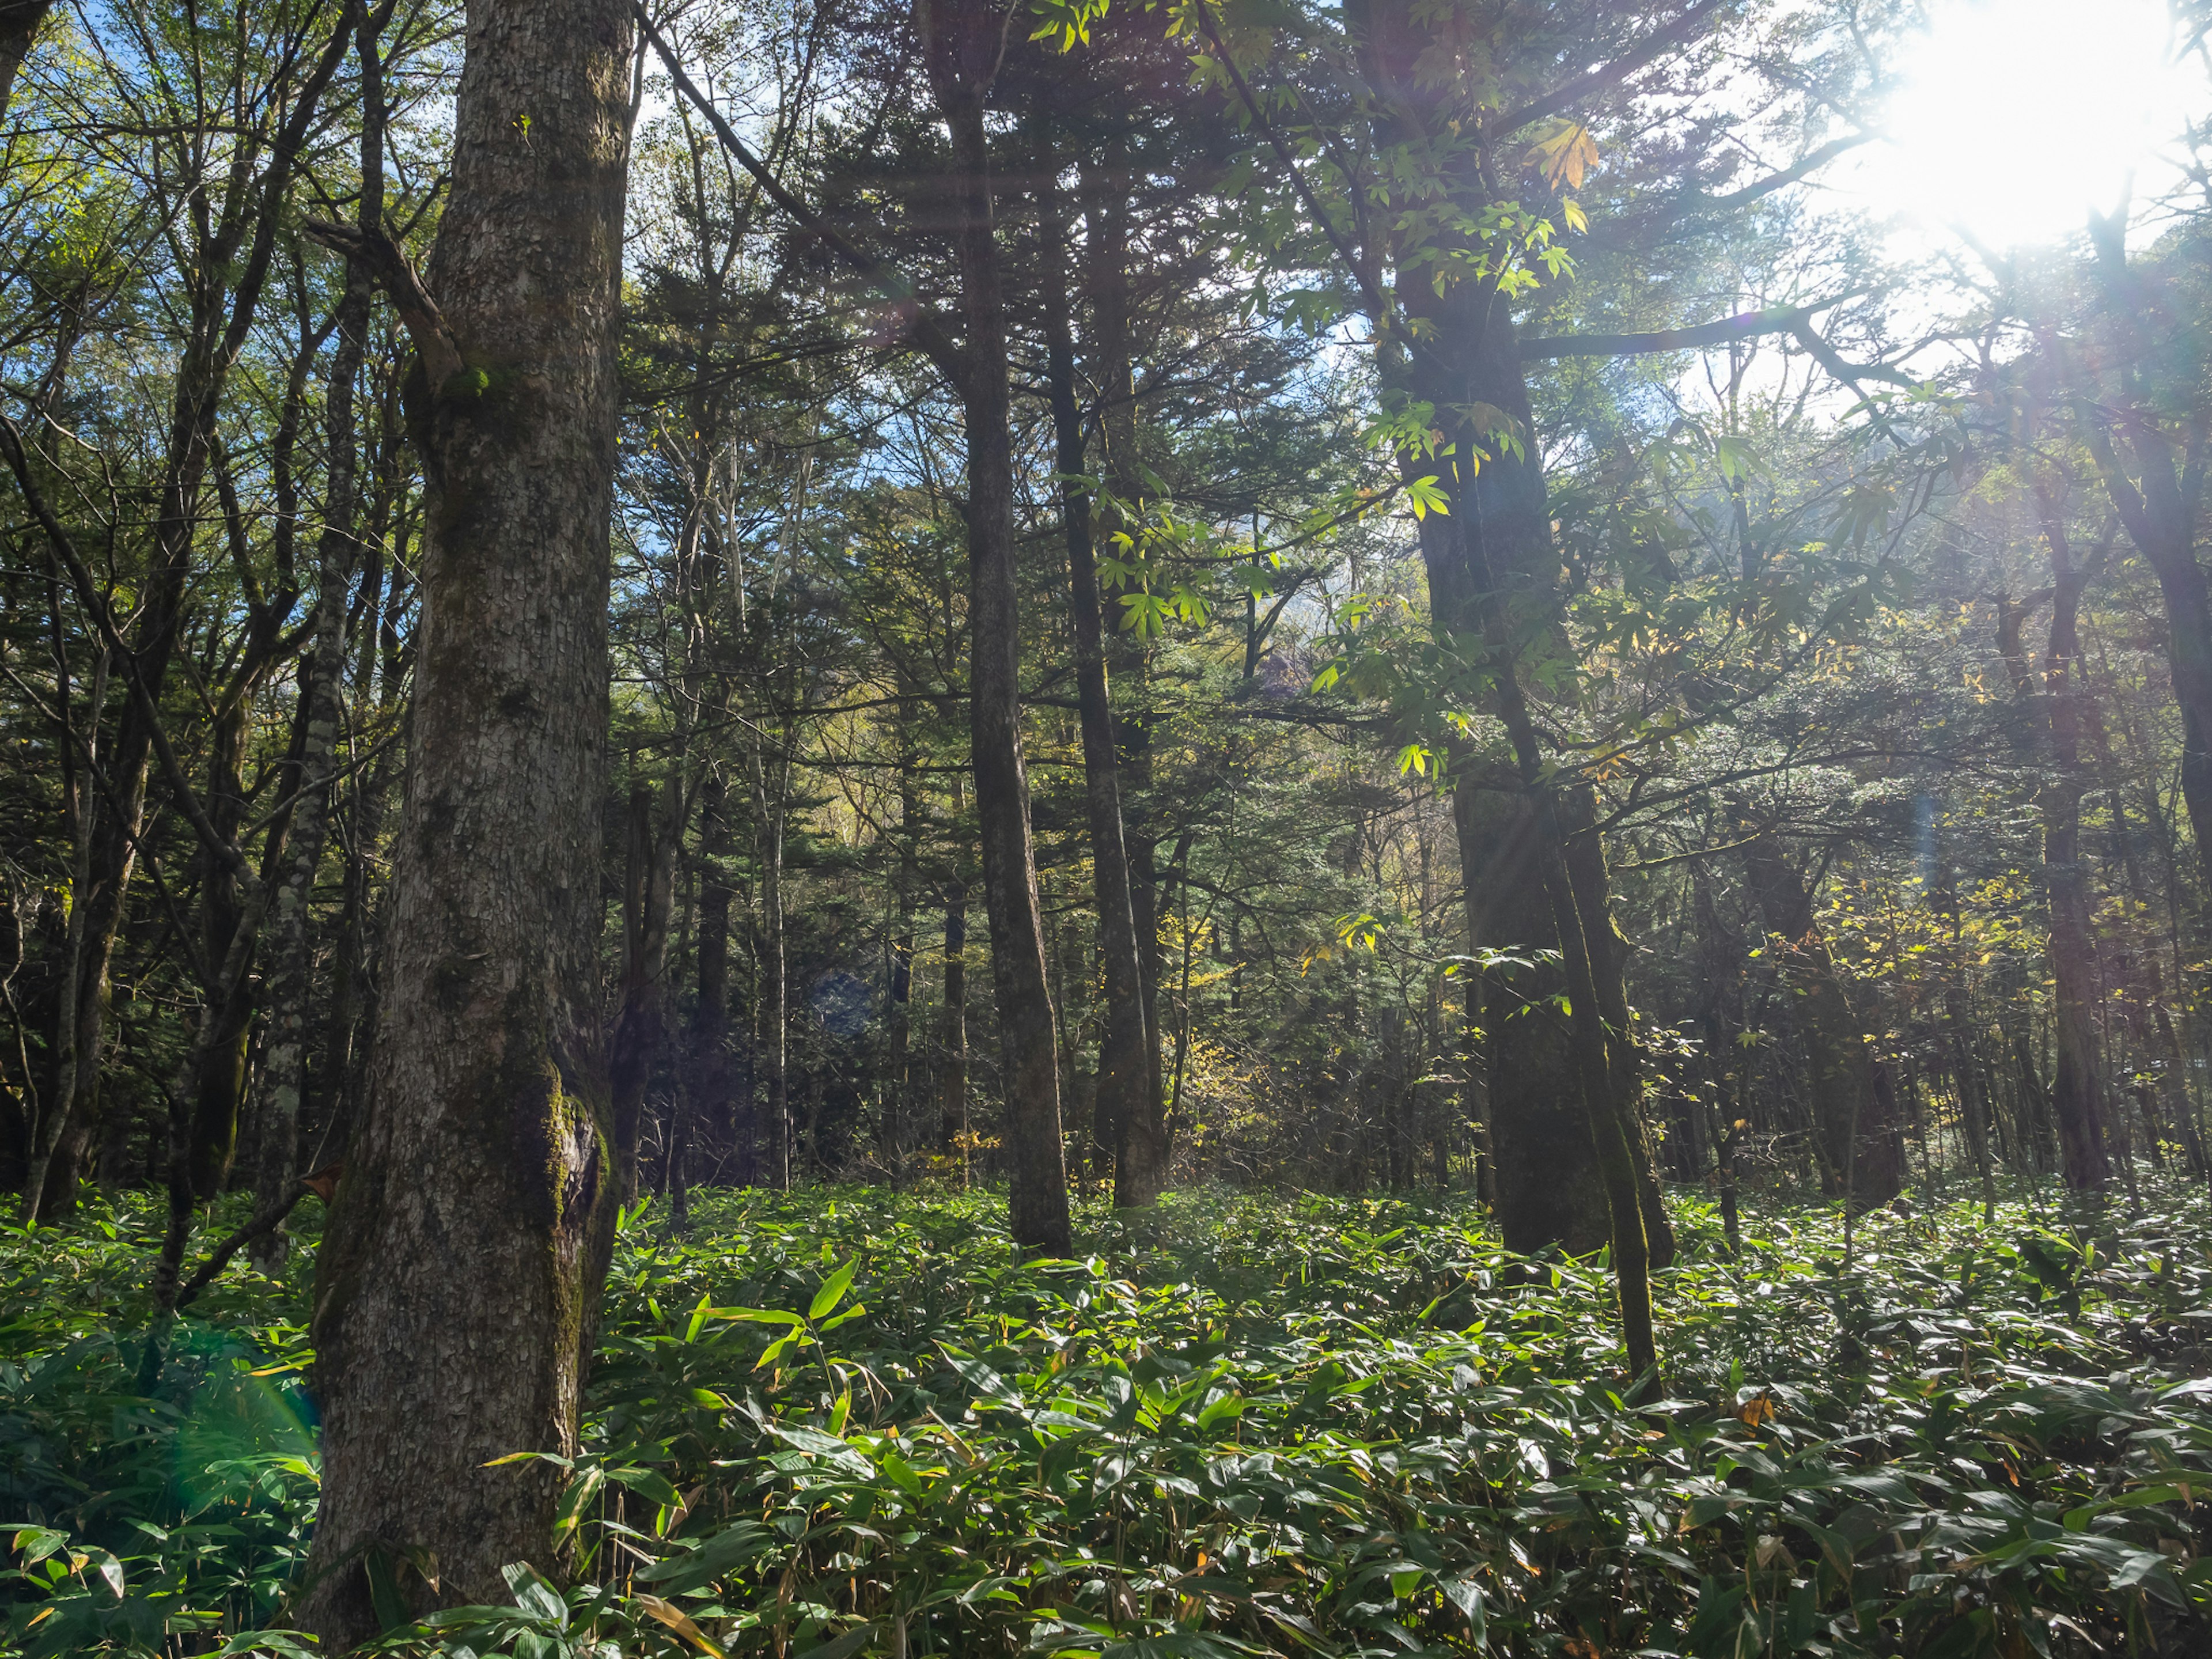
453,1288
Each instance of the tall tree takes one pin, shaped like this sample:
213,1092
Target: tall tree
963,42
452,1296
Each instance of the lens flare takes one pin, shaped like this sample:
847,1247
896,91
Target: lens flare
2015,119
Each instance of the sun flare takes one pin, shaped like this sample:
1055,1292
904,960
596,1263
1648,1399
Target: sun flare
2013,119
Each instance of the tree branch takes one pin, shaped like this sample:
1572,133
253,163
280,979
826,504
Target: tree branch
1608,76
219,847
1775,320
375,251
929,333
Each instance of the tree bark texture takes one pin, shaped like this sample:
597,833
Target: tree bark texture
1127,1104
19,27
453,1288
962,40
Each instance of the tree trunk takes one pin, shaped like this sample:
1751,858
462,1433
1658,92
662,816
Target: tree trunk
2076,1092
707,1082
243,240
641,1033
962,42
1129,1105
906,897
452,1290
1856,1134
2159,505
2050,706
1548,1190
774,1015
291,968
952,1030
19,27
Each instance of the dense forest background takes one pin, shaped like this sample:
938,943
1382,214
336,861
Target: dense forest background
1871,637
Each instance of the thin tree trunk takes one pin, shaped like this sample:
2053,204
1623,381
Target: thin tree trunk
291,967
961,44
452,1290
952,1027
2076,1093
2051,707
641,1033
774,1019
707,1088
1128,1106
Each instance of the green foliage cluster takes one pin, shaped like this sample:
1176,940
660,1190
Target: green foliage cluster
848,1422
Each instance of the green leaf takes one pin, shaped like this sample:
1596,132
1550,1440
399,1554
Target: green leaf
1426,498
845,1646
833,1290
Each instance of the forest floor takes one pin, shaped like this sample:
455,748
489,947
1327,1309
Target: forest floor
844,1422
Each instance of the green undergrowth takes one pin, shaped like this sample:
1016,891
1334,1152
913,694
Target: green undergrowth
844,1422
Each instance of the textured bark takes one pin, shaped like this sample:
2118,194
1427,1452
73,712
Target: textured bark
19,27
1549,1192
452,1287
1127,1104
1493,575
962,40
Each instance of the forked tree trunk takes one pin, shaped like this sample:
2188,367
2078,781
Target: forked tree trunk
1127,1098
962,42
452,1290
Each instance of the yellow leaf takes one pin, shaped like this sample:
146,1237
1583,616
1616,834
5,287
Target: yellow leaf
677,1621
1564,154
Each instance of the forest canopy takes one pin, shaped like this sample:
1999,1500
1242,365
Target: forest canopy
1075,670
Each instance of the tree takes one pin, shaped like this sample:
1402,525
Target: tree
452,1301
